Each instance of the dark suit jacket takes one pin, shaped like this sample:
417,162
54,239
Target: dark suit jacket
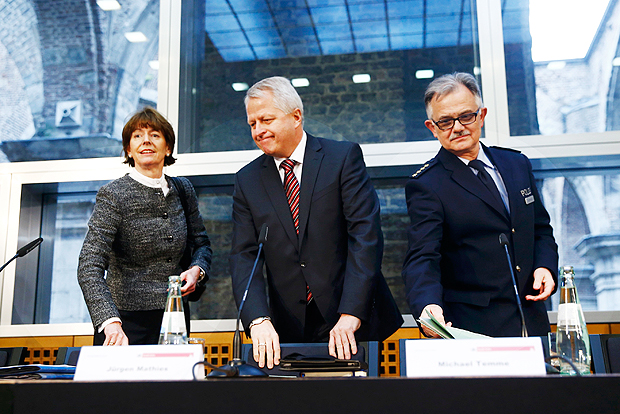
455,259
338,251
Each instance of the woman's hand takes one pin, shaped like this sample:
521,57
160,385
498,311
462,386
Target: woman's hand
114,335
190,276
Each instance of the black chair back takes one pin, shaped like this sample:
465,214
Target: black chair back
605,353
13,356
68,355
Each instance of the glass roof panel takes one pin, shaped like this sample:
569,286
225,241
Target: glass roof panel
406,26
248,5
229,39
338,47
361,30
410,8
293,18
322,3
404,42
444,6
255,20
264,37
270,52
277,28
298,35
213,7
287,4
224,23
304,49
441,39
366,12
237,54
444,23
332,14
371,44
334,31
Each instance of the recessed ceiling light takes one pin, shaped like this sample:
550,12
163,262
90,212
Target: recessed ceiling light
476,70
136,37
300,82
154,64
107,5
240,86
424,74
616,61
361,78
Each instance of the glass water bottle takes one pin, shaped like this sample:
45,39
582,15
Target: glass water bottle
173,330
572,340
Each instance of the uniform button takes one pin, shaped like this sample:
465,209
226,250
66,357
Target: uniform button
169,260
165,215
302,264
169,238
518,268
513,230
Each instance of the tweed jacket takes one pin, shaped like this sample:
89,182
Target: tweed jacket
138,236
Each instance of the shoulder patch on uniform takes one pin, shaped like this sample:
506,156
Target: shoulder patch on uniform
506,149
427,165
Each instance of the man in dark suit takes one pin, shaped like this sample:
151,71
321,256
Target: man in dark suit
325,245
455,267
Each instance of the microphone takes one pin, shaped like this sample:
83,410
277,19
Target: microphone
238,367
24,251
503,240
29,247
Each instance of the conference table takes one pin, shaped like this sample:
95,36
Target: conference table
596,394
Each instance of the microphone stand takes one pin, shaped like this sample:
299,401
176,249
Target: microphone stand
23,251
503,240
237,367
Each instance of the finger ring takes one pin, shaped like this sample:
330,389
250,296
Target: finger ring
111,343
262,344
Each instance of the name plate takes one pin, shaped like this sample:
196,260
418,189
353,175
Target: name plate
495,357
139,363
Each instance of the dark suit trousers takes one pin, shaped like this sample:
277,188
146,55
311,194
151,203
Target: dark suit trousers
315,328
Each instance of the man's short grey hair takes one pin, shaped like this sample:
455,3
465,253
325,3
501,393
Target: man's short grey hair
285,97
446,84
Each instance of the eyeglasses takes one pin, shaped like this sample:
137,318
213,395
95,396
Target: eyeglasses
464,119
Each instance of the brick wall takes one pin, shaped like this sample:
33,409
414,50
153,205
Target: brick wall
388,109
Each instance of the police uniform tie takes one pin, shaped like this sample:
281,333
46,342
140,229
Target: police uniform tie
488,182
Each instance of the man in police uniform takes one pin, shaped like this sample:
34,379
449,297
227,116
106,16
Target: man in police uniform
459,203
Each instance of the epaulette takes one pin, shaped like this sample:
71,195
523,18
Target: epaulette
427,165
507,149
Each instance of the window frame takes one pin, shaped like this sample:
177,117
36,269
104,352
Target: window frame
13,176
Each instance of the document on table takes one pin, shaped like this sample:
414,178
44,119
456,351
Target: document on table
448,332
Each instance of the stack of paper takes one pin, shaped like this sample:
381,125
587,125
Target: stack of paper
448,332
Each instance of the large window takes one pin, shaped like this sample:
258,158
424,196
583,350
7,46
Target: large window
584,208
72,72
360,66
66,89
562,61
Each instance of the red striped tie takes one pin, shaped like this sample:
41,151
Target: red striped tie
291,186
